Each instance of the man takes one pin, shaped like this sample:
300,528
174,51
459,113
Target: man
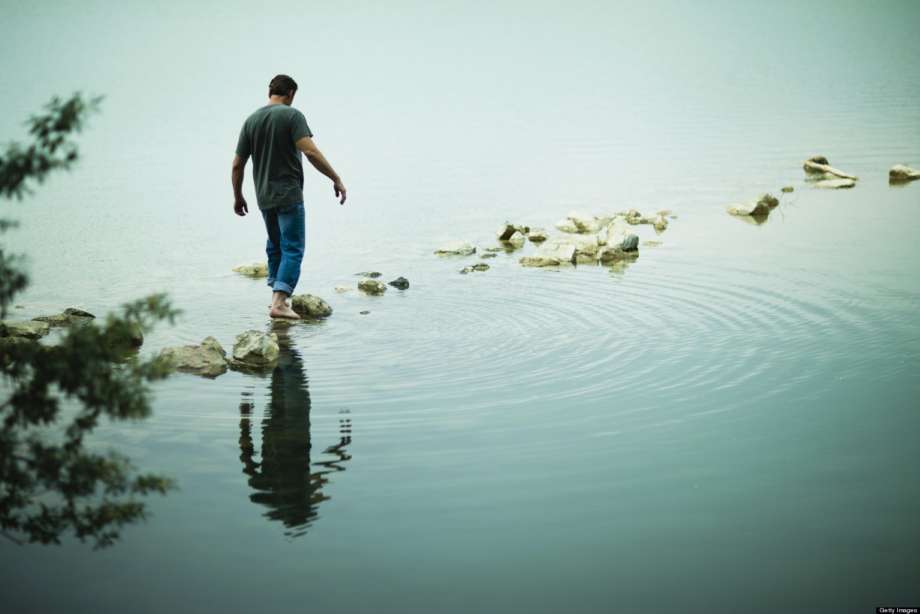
274,136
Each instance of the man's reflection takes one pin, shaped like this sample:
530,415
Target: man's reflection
282,481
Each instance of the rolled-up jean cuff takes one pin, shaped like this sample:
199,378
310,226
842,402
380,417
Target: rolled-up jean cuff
280,286
271,282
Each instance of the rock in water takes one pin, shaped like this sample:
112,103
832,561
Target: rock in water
400,283
342,289
24,330
835,184
372,286
818,165
552,253
255,349
207,359
787,188
899,172
371,274
255,270
567,225
660,223
309,306
455,248
481,266
620,242
516,240
761,207
485,255
70,316
537,235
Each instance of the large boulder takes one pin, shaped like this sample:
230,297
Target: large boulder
552,253
254,270
207,359
254,349
760,207
24,330
456,248
835,184
310,307
70,316
899,172
372,286
818,165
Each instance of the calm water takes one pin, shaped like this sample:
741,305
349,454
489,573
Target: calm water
727,424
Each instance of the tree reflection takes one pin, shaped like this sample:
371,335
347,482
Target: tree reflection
283,481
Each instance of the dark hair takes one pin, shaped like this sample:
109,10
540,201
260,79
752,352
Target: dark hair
282,85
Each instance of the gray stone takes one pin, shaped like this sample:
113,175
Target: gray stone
400,283
554,252
537,235
835,184
311,307
24,330
255,270
70,316
516,240
818,165
761,207
480,266
372,286
207,359
255,349
364,313
900,172
371,274
456,248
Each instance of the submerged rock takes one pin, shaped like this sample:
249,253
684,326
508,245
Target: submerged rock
900,172
371,274
552,253
761,207
257,269
787,189
400,283
70,316
660,223
651,243
24,330
507,231
364,313
207,359
481,266
566,225
342,289
309,306
372,286
255,349
835,184
485,255
516,240
818,165
537,235
456,248
634,217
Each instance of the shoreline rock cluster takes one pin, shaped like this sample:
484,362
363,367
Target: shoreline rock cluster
253,351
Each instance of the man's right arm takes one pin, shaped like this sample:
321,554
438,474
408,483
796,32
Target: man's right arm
319,162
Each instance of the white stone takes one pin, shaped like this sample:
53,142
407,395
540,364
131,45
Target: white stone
835,184
456,248
818,165
255,349
208,359
900,172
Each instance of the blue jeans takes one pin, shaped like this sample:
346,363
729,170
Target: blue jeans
285,245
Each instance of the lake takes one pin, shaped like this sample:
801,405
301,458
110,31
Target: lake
726,424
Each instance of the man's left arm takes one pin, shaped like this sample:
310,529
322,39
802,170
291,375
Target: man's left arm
236,177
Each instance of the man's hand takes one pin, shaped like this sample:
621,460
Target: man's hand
240,206
339,188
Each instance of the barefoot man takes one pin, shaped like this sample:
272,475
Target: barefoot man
274,136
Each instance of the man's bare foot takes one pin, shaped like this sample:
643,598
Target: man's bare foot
283,311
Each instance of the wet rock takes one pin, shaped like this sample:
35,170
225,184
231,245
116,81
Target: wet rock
24,330
835,184
577,222
255,349
364,313
372,286
310,307
493,250
634,217
207,359
818,165
787,188
652,243
537,235
660,223
70,316
900,172
551,253
481,266
456,248
485,255
516,240
371,274
619,241
342,289
255,270
400,283
507,231
566,225
586,247
760,207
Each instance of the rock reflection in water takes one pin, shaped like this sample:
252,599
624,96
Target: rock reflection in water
283,481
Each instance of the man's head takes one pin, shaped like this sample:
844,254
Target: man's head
282,89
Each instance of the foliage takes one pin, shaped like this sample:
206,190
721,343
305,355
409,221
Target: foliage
50,481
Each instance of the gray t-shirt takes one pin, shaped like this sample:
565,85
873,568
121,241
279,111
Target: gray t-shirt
268,135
